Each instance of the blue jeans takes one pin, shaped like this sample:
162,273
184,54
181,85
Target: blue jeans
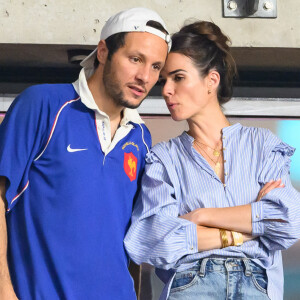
221,278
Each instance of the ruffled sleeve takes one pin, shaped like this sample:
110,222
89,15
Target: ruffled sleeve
276,159
276,218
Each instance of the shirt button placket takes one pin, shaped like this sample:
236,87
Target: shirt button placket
224,160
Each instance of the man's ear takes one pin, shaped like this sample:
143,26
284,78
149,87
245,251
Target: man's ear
102,52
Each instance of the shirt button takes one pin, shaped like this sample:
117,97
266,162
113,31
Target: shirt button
224,137
192,248
224,185
224,148
224,161
257,216
225,174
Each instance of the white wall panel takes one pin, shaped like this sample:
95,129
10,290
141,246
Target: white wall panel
80,22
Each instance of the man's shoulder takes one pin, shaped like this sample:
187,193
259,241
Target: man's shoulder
44,99
141,135
146,130
50,91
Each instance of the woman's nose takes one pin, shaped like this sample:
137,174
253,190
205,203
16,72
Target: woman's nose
167,89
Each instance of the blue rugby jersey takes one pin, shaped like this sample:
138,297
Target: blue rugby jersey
178,180
69,202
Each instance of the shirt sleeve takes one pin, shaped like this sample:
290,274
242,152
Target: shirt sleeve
157,235
21,134
276,218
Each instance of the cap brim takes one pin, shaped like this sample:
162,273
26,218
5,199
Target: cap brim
88,62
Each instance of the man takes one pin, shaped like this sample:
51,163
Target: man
71,157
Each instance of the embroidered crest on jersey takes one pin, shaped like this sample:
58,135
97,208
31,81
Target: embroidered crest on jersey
130,165
130,144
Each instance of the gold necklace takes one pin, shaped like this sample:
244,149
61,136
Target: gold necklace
216,152
217,164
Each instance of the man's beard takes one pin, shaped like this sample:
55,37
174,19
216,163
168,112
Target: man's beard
113,88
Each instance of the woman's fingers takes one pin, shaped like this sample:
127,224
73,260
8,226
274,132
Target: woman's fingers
264,188
248,237
262,192
274,185
269,186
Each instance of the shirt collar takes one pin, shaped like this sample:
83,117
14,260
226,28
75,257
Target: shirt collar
188,140
232,129
82,89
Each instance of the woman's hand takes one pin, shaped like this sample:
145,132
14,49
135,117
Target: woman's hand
248,237
193,216
268,187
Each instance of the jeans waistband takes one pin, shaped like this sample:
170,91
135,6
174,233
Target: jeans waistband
227,265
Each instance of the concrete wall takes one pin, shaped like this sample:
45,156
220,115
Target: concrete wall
80,22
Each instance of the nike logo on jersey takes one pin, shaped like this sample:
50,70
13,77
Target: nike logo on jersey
74,150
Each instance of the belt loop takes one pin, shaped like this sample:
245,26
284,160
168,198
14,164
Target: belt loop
202,267
248,270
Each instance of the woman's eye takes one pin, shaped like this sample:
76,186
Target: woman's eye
178,78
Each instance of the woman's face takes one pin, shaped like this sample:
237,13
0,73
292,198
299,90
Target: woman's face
185,92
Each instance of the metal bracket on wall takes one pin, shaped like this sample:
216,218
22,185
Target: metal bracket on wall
250,8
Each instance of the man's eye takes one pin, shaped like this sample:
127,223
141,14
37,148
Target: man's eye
157,67
135,59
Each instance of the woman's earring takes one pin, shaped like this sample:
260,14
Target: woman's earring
209,91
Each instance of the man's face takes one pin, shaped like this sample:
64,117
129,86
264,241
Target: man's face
134,68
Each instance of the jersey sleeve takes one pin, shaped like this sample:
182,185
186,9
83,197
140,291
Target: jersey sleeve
22,133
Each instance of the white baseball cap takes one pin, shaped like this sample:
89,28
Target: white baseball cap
130,20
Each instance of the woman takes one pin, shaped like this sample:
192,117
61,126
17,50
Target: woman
216,204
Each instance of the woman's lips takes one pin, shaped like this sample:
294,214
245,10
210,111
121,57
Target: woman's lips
172,105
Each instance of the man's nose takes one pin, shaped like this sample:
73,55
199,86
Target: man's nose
143,74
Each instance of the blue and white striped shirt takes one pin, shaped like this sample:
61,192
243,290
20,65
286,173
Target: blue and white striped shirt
178,180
